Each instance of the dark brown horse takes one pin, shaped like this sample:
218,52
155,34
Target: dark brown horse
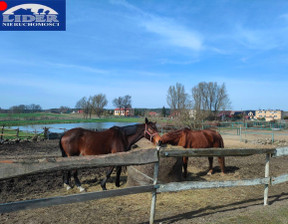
196,139
79,141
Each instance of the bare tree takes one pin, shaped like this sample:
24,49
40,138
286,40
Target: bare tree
123,103
118,102
127,103
64,109
83,104
210,98
98,102
32,108
177,99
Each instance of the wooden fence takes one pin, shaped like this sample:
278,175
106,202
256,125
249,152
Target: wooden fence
15,168
16,133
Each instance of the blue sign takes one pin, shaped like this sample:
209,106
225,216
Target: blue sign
33,15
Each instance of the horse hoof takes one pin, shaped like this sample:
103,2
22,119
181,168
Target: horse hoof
104,188
67,187
81,189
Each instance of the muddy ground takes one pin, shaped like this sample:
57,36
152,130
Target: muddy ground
223,205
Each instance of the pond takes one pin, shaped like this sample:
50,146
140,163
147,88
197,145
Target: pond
59,128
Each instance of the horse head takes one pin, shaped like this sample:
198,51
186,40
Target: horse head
151,132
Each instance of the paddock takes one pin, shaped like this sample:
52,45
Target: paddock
129,210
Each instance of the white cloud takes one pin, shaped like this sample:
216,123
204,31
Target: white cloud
80,67
256,39
171,31
174,33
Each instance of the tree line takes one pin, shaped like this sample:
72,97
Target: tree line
205,101
95,104
31,108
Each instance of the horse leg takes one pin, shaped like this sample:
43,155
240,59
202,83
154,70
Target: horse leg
185,164
108,174
210,171
118,173
67,179
221,161
77,181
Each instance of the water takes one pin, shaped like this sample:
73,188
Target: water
59,128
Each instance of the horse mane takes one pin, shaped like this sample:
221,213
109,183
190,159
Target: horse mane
127,130
172,136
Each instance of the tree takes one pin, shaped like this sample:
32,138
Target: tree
98,102
123,103
164,112
32,108
64,109
177,99
118,102
83,104
127,103
210,98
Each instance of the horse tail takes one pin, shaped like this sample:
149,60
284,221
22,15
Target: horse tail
221,142
61,148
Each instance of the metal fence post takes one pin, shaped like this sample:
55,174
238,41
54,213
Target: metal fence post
154,193
267,164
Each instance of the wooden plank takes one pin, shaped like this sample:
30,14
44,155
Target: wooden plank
283,151
267,171
14,168
281,179
180,152
181,186
154,193
45,202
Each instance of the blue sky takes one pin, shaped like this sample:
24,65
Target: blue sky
142,47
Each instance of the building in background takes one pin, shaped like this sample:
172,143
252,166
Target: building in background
124,112
269,115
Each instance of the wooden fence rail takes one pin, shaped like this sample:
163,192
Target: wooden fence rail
17,134
13,168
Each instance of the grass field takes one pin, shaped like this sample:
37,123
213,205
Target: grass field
51,118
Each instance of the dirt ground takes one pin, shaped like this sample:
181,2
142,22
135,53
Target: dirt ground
223,205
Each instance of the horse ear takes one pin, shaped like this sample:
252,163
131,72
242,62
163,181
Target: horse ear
146,120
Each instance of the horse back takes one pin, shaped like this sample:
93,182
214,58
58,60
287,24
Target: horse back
86,142
203,139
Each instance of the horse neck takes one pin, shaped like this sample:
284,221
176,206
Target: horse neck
132,139
171,137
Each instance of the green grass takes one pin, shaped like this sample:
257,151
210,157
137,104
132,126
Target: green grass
49,118
9,120
12,134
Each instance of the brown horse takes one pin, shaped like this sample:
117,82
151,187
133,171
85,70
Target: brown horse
79,141
196,139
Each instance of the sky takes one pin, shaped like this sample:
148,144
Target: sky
141,47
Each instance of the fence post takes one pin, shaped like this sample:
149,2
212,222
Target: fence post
267,164
17,132
2,132
154,193
46,133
